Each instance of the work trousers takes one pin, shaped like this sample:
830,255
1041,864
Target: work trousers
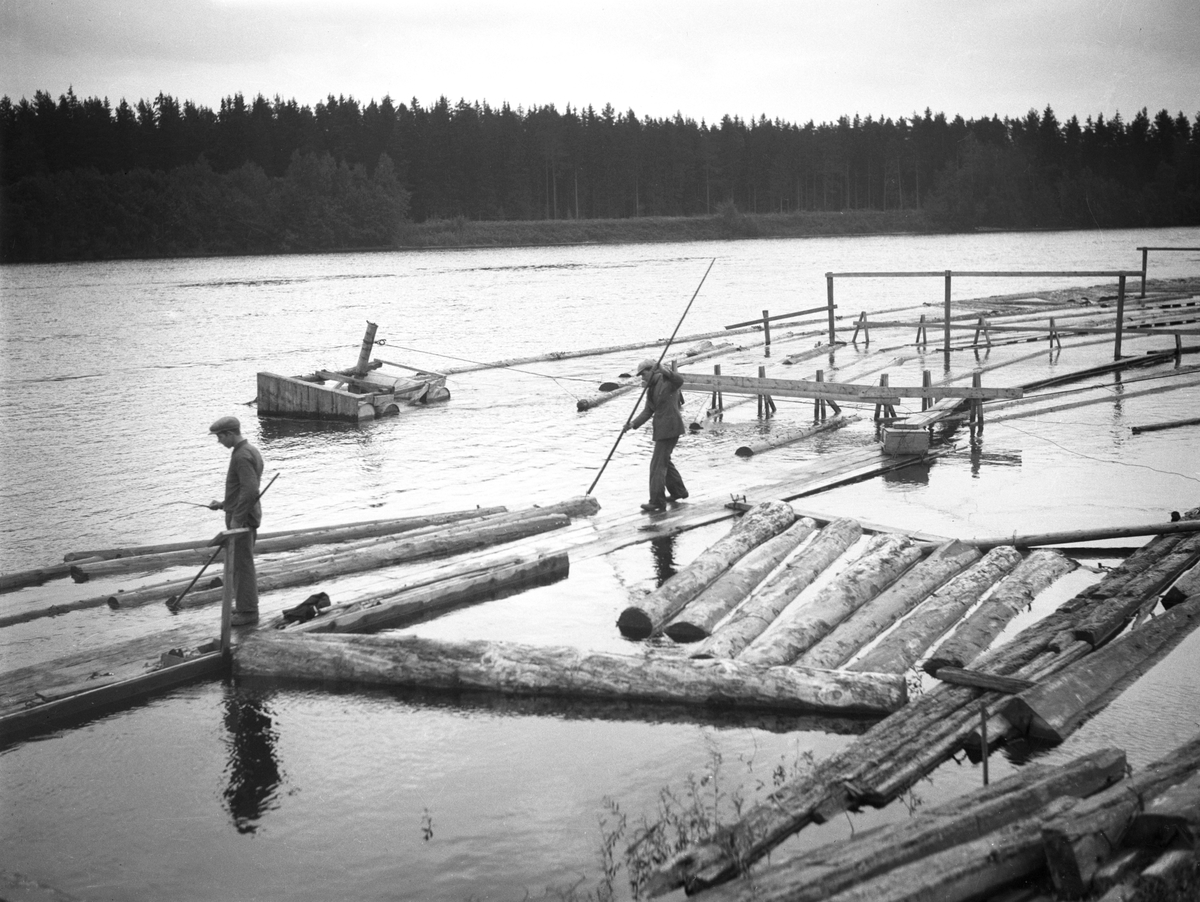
664,478
245,580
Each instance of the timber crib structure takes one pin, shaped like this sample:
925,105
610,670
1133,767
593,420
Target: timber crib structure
793,611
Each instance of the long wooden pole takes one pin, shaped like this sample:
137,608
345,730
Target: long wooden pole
613,450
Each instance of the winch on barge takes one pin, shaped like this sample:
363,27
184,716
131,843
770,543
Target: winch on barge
357,394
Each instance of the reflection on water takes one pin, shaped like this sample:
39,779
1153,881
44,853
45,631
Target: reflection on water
663,552
253,771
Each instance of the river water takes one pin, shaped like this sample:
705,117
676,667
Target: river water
113,371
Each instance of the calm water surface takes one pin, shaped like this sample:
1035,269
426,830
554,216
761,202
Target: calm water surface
112,373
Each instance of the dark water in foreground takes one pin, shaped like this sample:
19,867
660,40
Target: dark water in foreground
112,372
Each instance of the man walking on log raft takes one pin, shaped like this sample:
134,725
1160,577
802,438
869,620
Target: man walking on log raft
663,403
242,509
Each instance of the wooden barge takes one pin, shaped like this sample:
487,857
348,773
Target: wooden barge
351,395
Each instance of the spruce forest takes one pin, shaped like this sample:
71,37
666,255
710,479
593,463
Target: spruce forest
82,180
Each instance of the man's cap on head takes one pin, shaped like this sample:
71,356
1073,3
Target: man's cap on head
226,424
647,364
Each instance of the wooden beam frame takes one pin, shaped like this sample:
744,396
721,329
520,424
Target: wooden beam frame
838,391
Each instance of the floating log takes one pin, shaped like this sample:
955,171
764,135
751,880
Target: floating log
797,572
1172,817
82,572
756,526
1111,616
902,647
869,621
1169,424
1078,841
1053,709
603,397
21,579
820,873
396,551
1013,595
1068,537
1184,588
801,625
787,437
696,620
418,604
393,660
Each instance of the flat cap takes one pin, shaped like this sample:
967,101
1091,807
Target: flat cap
226,424
647,364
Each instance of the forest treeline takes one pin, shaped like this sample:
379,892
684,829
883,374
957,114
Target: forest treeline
83,180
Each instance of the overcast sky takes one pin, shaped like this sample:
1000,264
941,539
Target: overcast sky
793,61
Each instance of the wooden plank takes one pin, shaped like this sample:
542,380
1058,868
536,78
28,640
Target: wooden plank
398,660
838,391
1055,707
94,701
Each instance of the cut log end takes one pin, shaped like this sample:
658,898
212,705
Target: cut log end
685,632
634,624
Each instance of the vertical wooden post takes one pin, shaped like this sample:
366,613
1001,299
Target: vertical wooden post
762,374
1178,350
977,403
718,397
1145,253
1054,339
887,409
926,382
829,302
766,333
946,324
983,739
1120,316
227,594
922,333
364,355
820,412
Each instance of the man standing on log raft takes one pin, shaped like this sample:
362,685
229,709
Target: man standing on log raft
242,509
662,403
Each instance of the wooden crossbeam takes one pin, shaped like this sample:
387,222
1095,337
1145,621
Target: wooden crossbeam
838,391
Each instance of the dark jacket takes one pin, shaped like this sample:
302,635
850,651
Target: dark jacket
662,403
241,487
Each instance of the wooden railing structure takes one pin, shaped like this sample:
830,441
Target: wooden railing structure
948,275
1145,259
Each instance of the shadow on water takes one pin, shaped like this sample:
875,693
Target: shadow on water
253,770
663,551
465,703
271,429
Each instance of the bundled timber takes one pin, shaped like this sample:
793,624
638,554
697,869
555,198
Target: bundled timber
860,628
1110,617
787,437
1078,841
820,873
801,625
82,572
1013,595
1184,588
797,573
393,660
1053,709
756,526
696,620
1172,817
343,531
902,647
421,603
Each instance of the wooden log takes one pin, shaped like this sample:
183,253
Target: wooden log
902,647
756,526
1169,424
604,397
1107,619
786,437
1174,870
418,604
990,681
1122,868
1184,588
818,874
1014,594
20,579
1078,842
801,625
82,572
699,616
776,593
398,551
397,660
1171,818
869,621
1055,707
